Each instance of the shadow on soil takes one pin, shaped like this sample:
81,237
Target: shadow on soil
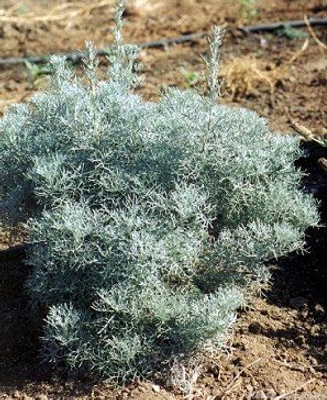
18,341
300,281
19,344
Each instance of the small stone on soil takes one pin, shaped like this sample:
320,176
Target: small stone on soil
314,330
304,313
260,395
156,388
249,388
319,310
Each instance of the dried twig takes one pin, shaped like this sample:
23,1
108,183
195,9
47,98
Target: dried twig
312,33
302,130
282,396
298,53
307,134
234,382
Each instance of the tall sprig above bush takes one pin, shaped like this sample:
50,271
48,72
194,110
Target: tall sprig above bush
146,220
123,57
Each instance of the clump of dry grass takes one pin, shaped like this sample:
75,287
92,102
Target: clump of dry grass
247,75
31,13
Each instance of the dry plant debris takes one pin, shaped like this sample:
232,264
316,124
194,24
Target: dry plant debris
244,76
313,34
62,11
248,75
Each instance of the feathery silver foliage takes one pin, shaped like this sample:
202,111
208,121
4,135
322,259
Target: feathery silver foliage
147,220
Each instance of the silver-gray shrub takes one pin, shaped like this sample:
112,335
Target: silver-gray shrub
146,220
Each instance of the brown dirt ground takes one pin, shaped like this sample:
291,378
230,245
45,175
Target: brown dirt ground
278,348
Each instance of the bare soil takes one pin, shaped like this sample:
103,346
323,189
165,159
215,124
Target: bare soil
278,348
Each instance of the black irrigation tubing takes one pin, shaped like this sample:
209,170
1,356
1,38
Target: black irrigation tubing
272,27
77,56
